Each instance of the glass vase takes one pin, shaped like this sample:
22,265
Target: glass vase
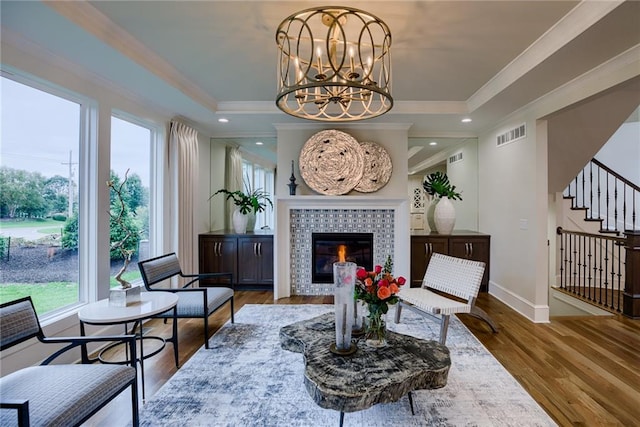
376,327
344,275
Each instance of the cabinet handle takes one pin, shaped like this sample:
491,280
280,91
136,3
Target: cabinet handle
219,248
260,249
470,250
255,249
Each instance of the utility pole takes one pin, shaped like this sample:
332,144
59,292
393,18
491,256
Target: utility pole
70,182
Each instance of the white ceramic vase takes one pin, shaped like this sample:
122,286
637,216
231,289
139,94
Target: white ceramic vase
444,216
251,223
431,209
239,221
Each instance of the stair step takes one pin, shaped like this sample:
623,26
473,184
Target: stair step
607,231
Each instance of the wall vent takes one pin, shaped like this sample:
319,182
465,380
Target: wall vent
512,135
455,158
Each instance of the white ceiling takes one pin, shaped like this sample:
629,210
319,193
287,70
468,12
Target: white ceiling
203,60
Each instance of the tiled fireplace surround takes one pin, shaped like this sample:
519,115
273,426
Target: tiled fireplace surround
297,217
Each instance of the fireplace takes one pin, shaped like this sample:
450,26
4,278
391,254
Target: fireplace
324,252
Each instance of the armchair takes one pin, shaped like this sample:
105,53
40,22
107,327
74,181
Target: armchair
199,302
58,395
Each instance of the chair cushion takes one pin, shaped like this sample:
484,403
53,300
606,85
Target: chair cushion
190,303
432,302
62,395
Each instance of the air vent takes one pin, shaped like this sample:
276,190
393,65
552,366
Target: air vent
512,135
455,158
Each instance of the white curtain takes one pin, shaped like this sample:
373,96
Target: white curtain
232,179
183,165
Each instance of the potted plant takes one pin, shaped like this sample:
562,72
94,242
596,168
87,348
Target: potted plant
248,203
441,214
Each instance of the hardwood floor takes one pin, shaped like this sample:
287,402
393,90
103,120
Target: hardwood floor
584,371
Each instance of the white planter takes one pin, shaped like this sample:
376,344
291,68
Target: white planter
251,223
431,209
445,216
239,221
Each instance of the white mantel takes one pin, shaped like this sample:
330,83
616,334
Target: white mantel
282,240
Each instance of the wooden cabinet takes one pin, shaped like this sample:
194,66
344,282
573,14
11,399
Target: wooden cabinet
217,254
248,256
461,244
255,258
421,249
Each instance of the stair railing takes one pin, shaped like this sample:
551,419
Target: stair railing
606,196
593,267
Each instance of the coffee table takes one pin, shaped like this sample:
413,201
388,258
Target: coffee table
150,304
369,376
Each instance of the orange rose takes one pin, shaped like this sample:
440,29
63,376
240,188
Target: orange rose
384,293
368,282
393,288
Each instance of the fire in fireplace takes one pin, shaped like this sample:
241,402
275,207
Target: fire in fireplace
326,248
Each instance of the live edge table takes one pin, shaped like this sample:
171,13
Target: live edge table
150,304
369,376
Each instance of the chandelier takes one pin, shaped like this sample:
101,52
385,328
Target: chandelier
334,65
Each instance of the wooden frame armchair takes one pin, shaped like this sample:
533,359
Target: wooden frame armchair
58,395
199,302
450,285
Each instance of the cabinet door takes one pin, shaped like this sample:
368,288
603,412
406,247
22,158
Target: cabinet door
474,248
255,261
422,247
218,255
265,252
249,263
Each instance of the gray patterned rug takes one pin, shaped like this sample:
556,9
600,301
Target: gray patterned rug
246,379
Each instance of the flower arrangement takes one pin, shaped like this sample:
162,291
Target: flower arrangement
378,289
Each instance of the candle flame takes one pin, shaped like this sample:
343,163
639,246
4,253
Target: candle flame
342,253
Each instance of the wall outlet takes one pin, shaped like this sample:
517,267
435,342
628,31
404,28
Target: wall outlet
524,224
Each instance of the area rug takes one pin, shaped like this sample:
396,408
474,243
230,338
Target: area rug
246,379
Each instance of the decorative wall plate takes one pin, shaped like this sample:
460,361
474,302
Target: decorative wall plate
331,162
377,168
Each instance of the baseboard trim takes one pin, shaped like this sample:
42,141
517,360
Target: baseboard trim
535,313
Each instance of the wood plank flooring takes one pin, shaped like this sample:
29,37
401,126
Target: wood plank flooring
584,371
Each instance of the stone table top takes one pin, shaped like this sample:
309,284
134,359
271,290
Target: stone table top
369,376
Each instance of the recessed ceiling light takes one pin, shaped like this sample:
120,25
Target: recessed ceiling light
433,143
466,120
259,142
223,120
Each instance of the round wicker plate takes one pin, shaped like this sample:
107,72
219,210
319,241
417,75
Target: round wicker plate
377,168
331,162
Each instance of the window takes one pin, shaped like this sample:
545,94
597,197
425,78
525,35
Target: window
39,193
258,177
130,161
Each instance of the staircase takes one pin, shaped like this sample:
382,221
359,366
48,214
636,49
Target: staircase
599,254
606,198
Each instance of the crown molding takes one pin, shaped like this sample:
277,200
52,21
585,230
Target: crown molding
95,22
574,23
342,125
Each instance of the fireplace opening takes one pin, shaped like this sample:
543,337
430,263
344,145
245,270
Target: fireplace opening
325,248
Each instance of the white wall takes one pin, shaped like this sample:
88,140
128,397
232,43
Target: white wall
509,200
216,168
623,151
464,175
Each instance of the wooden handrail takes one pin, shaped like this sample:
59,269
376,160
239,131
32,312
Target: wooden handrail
615,174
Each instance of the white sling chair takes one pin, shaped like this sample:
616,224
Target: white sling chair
457,282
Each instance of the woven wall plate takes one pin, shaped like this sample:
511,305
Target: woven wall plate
377,168
331,162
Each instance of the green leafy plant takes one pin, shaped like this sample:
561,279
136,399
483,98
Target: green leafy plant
437,184
249,200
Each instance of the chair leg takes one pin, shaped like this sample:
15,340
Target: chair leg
232,320
206,331
398,311
135,418
174,338
479,313
444,325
